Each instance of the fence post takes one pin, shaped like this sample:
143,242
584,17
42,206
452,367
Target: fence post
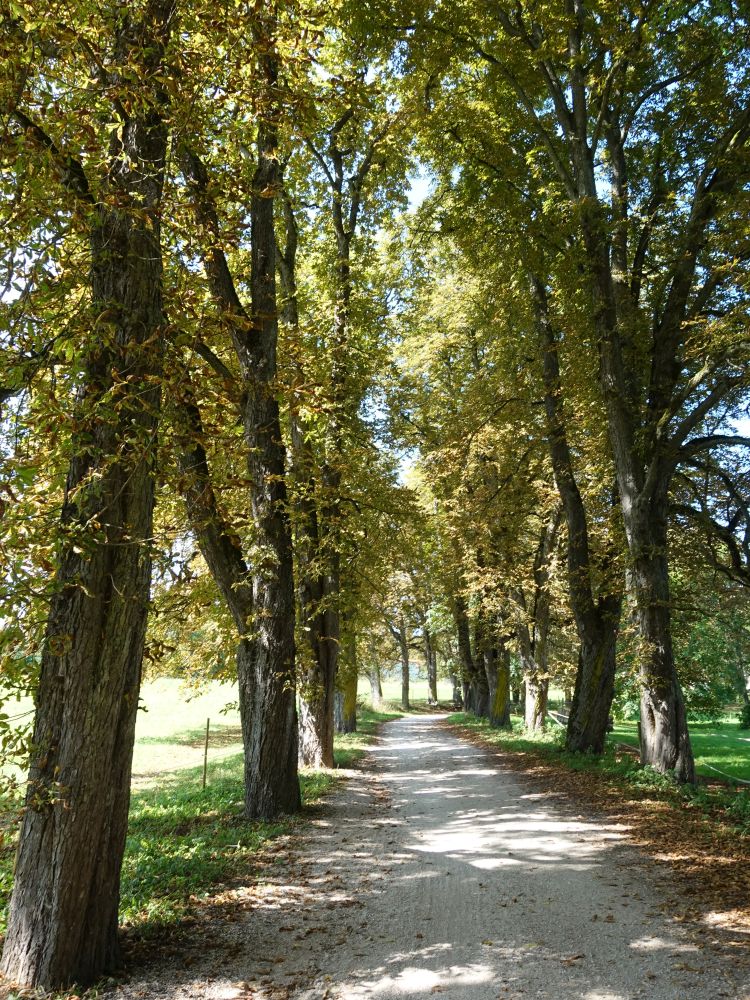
205,753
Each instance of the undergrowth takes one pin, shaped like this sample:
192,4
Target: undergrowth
184,842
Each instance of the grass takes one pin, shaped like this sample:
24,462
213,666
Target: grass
721,746
185,842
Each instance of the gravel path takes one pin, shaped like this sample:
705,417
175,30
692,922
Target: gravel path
435,874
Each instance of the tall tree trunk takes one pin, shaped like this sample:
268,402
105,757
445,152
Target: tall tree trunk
431,660
403,646
497,668
665,742
266,668
266,653
317,585
62,922
644,466
346,694
597,618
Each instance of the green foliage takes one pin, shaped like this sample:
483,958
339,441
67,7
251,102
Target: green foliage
185,842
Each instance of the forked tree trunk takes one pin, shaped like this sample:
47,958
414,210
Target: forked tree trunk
644,461
266,652
62,922
266,668
318,577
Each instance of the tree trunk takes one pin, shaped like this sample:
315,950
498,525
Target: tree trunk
644,465
318,688
537,690
536,682
318,583
266,669
376,688
597,618
497,666
665,741
404,651
431,660
458,699
266,653
62,922
346,695
476,689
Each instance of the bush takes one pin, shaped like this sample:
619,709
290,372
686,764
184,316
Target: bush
745,717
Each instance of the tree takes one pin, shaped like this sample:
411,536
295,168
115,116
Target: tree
259,591
605,111
63,914
345,139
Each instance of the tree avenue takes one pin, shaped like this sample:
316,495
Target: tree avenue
328,432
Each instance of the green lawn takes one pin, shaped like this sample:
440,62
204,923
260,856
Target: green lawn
720,745
418,691
184,841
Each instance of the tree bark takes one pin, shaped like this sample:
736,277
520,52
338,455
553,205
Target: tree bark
346,694
431,660
664,737
476,690
266,652
497,667
317,573
266,667
403,646
376,688
62,924
597,618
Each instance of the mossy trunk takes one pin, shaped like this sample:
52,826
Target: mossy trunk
500,690
346,694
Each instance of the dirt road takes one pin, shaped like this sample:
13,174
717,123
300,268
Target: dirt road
437,874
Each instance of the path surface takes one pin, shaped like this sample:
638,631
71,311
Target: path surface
438,874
